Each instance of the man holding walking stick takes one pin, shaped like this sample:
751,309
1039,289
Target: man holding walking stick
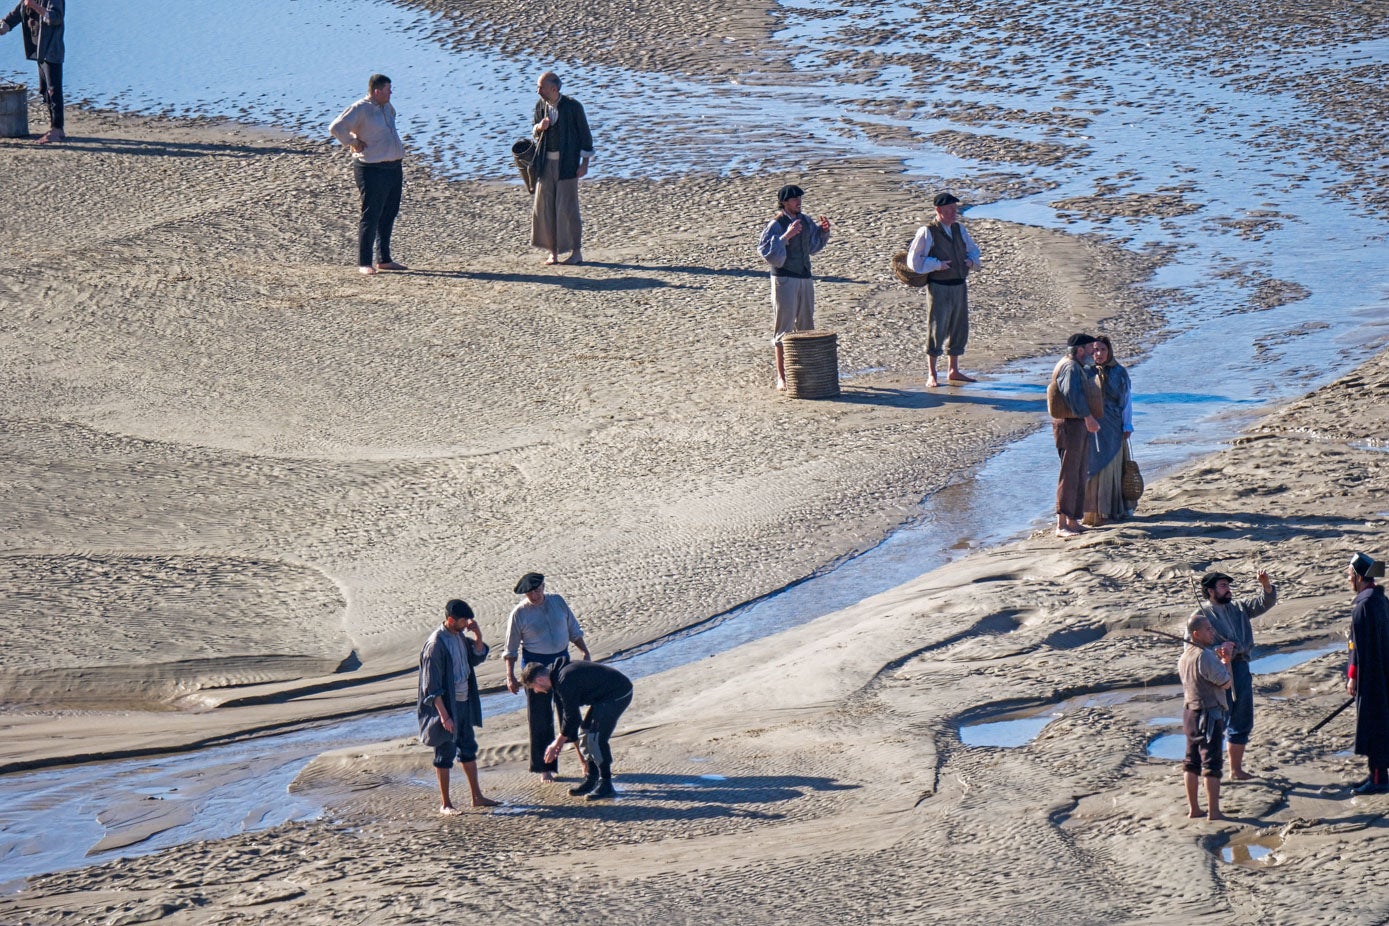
1368,673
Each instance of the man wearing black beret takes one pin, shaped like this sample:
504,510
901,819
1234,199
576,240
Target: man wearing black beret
540,629
786,244
448,706
945,251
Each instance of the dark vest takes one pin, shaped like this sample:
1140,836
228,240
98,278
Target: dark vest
797,250
948,247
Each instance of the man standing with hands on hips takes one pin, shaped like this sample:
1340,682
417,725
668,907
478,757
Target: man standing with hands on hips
540,629
787,243
1231,619
368,128
945,251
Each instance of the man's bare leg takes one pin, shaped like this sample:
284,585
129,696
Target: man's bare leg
953,374
780,365
1213,798
1237,771
931,381
470,770
1193,805
447,806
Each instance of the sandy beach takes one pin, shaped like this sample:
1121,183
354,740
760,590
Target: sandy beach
241,481
223,441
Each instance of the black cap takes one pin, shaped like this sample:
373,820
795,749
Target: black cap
529,583
458,609
1079,339
1208,581
945,199
1365,567
790,191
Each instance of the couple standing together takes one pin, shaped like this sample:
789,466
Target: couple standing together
1090,400
565,147
539,632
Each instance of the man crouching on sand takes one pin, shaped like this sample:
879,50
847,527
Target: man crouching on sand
448,706
1205,673
607,692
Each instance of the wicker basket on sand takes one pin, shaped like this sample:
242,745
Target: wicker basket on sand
812,364
906,274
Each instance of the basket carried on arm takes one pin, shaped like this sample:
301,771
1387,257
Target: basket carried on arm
907,274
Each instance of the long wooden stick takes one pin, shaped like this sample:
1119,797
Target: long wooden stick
1331,716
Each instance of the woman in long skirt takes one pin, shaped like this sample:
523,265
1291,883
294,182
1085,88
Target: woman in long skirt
1104,493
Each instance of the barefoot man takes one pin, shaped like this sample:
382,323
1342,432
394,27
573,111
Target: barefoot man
448,707
1231,619
1205,674
787,244
945,250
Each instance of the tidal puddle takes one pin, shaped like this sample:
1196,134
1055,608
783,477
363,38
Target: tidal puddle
1258,853
1012,729
1282,662
1169,746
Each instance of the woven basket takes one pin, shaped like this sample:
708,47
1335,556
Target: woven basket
1132,482
905,273
812,364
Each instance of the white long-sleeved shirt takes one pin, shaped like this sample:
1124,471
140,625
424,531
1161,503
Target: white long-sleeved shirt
919,257
373,124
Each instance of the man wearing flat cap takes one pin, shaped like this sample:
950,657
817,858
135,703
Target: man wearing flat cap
448,706
1367,678
1075,405
786,244
945,251
1231,619
540,629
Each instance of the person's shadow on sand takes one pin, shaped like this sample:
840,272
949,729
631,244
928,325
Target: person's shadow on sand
650,796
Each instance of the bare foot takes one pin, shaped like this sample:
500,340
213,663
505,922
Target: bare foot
1215,816
552,260
366,270
391,265
52,135
932,382
547,776
481,801
576,258
781,385
449,810
955,376
1196,813
1240,775
1065,533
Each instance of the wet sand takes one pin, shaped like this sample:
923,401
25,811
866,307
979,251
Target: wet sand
249,479
225,441
832,753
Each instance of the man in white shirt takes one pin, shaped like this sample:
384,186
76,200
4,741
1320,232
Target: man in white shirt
368,128
945,250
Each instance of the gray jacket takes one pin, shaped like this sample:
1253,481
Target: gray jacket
43,35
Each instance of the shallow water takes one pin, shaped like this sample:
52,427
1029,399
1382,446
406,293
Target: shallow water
1223,358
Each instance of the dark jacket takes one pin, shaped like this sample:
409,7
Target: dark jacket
569,135
43,35
1369,656
436,681
583,682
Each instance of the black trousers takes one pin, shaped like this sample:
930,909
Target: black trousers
540,712
380,186
602,718
51,89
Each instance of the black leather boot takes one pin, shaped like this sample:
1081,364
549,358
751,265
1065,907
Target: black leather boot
605,790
